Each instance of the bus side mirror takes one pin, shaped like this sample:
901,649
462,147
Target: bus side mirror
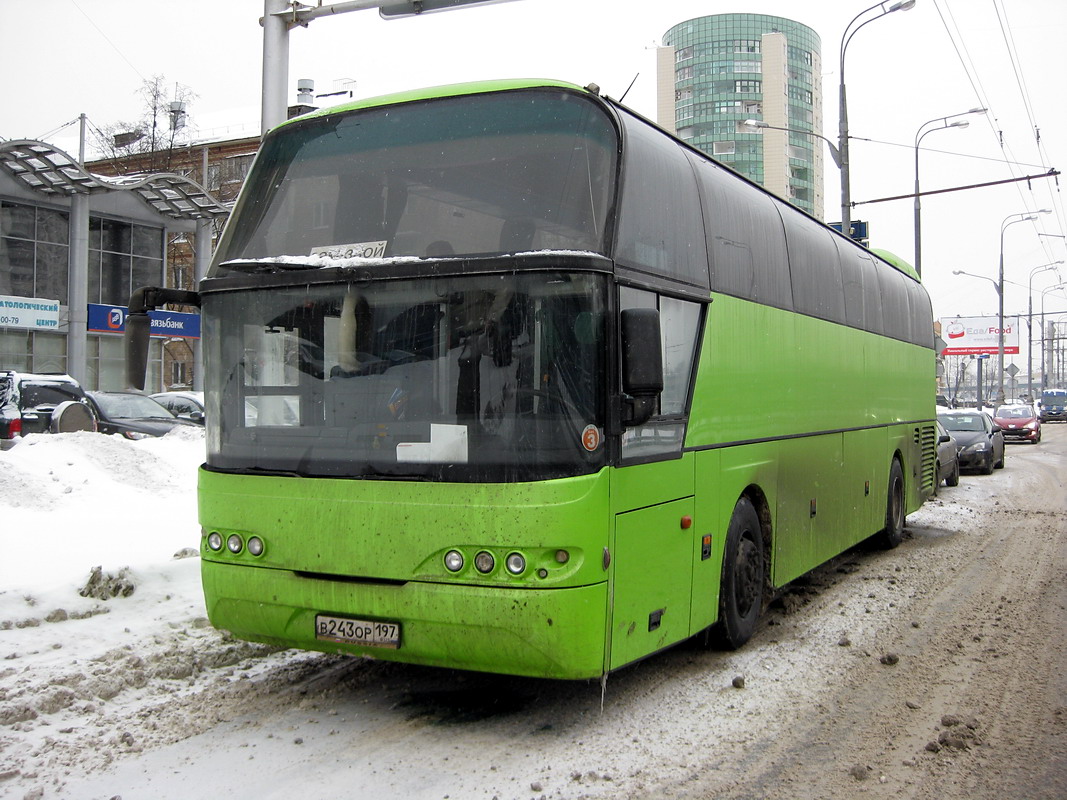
138,327
642,363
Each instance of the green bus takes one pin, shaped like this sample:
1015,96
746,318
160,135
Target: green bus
503,377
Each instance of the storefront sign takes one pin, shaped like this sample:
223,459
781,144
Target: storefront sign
112,319
29,312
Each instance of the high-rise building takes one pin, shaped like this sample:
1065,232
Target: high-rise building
715,72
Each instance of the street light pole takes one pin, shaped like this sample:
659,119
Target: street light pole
279,16
842,118
1045,367
999,286
919,134
1009,220
752,125
1030,327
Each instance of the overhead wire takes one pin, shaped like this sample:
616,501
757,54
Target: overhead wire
1024,92
1004,143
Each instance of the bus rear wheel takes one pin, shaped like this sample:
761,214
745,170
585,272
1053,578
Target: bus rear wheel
743,569
893,533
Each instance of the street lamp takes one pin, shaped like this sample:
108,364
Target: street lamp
752,125
1045,367
999,286
1030,327
842,139
280,16
1011,219
919,134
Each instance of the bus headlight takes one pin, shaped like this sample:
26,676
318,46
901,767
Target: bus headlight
214,541
453,561
234,543
484,562
255,546
515,563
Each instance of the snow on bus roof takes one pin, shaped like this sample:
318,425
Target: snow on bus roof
325,261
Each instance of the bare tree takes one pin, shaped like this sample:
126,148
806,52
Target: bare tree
148,143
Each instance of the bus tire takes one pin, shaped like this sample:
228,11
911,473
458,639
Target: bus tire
893,532
743,569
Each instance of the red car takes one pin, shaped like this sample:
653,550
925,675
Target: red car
1020,423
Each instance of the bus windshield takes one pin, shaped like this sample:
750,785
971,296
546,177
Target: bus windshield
467,378
473,175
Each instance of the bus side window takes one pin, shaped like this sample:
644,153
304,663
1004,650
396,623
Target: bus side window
680,328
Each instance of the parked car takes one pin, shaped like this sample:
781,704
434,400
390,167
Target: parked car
980,441
184,405
948,461
134,415
1020,423
1054,405
10,418
41,403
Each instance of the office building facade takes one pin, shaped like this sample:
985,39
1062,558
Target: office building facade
716,72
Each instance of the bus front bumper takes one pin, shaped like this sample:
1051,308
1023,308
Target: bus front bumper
548,633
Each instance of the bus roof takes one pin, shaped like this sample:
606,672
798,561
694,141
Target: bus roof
897,262
453,90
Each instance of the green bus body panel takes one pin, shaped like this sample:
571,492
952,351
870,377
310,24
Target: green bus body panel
806,415
652,558
375,550
401,530
556,633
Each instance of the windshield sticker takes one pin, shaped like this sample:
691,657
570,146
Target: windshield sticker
591,438
356,250
447,445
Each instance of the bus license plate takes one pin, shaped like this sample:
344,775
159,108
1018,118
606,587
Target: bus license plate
369,633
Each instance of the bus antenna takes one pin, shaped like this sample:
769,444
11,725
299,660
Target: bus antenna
628,88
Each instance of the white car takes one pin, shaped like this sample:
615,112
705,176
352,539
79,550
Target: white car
185,405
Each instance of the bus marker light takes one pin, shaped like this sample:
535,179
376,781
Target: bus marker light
234,543
255,546
453,561
687,522
214,540
542,573
484,562
562,556
516,564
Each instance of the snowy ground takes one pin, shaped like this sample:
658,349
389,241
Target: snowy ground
115,685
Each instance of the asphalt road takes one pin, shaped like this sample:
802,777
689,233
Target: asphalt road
931,671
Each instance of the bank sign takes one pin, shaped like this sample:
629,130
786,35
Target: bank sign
29,312
974,336
112,319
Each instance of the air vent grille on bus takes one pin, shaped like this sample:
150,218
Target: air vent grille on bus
926,438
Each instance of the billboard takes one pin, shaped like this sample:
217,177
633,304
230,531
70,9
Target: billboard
973,336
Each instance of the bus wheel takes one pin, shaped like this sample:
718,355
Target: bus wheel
741,589
893,533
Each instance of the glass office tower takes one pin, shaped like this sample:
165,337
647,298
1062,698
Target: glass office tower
716,72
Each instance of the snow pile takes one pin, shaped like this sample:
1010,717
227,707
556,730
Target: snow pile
70,500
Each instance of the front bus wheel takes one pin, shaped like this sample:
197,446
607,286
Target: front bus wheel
893,532
743,570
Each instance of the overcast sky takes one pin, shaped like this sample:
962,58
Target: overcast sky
64,57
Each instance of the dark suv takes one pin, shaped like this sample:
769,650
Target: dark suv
29,403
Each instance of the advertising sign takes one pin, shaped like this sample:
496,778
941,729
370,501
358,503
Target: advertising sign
972,336
112,319
29,312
